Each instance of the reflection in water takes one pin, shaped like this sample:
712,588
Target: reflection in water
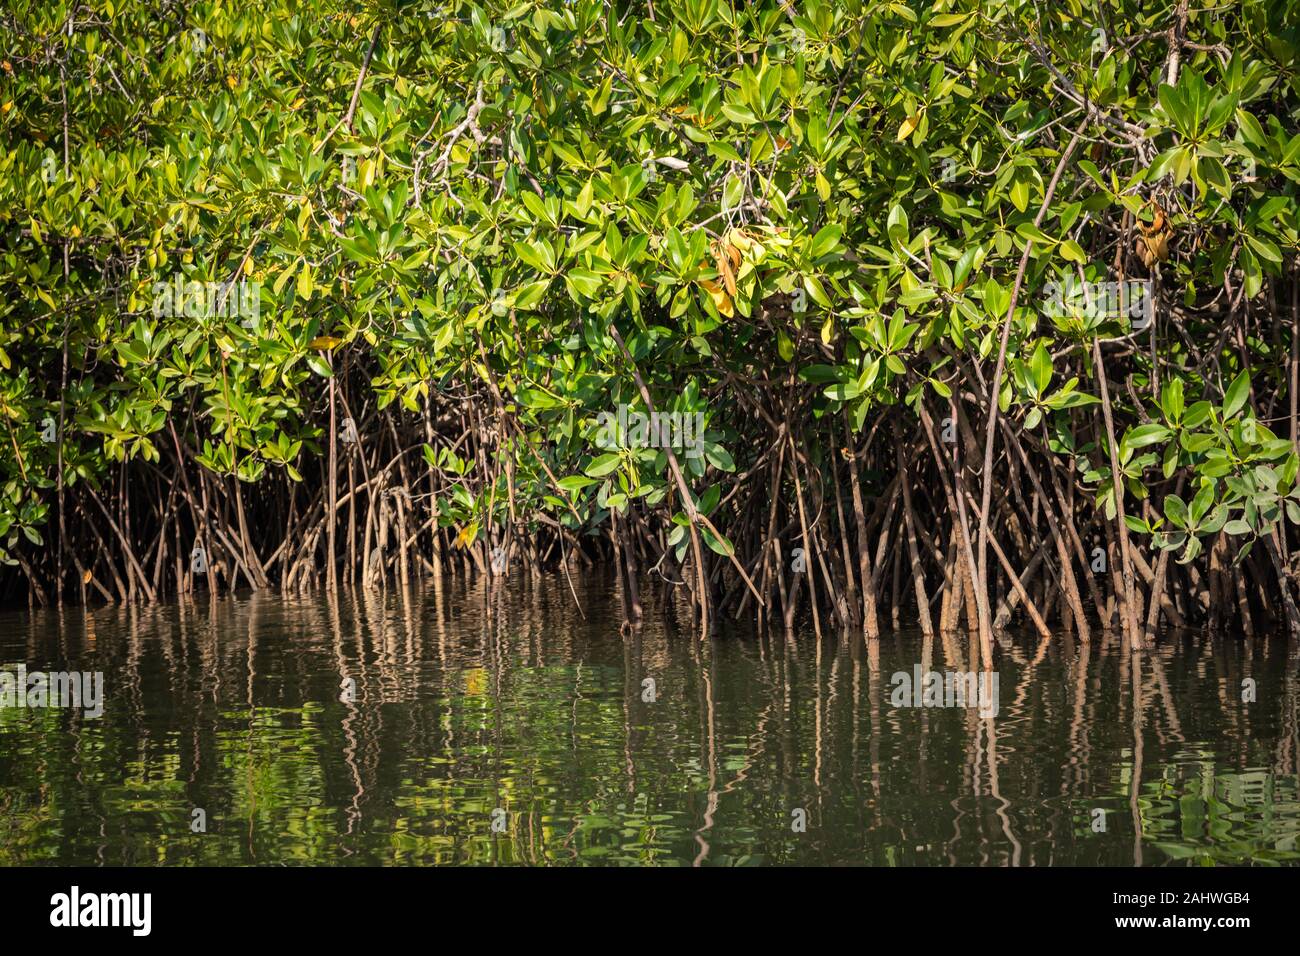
388,728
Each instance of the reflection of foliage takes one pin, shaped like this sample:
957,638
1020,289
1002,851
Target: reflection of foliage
549,726
1228,818
24,828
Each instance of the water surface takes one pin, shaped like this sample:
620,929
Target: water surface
398,728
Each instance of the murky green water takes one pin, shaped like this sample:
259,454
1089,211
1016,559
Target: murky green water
242,708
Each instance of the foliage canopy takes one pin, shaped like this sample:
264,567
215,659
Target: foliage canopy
787,217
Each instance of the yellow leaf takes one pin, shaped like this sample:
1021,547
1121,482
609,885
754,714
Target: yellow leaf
325,342
823,187
728,274
721,301
282,279
908,126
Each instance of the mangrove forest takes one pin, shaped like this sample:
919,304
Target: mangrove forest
952,315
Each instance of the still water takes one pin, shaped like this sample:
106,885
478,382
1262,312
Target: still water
444,726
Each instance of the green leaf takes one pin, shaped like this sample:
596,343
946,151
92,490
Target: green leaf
826,239
1040,366
1072,251
1171,400
1143,435
1027,230
1236,395
718,457
603,464
1176,511
722,545
530,295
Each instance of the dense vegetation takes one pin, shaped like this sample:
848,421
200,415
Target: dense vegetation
304,293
